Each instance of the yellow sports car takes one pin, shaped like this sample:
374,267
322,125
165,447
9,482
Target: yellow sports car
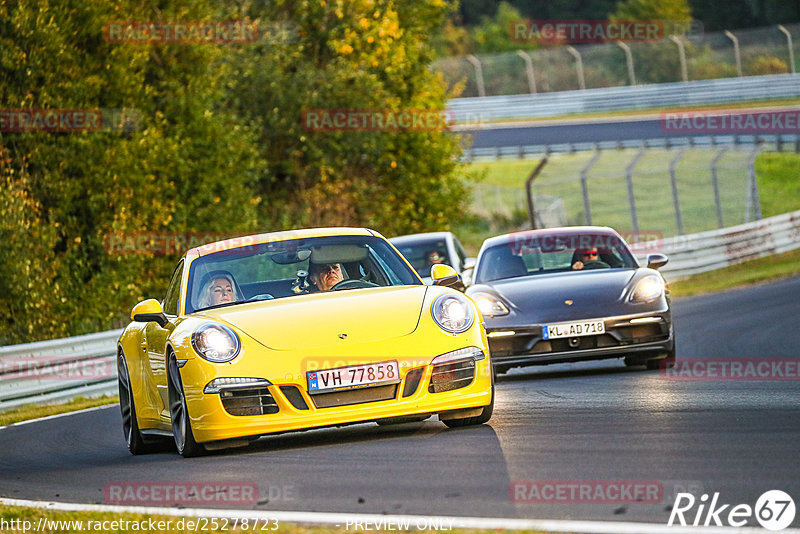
297,330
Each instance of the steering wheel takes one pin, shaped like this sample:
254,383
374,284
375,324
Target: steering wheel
595,264
353,284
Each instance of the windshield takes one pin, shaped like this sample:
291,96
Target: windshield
422,255
294,267
552,253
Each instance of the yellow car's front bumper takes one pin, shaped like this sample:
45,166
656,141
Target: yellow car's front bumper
211,421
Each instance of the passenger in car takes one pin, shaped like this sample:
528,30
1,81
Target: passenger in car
325,275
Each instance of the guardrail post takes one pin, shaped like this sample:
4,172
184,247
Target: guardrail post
529,193
674,183
478,74
587,210
715,185
789,44
628,60
629,179
529,71
736,53
753,200
682,56
578,66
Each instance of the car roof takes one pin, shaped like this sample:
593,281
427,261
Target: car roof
562,230
411,239
286,235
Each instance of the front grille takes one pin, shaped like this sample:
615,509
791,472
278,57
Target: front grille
355,396
412,381
249,401
293,395
452,375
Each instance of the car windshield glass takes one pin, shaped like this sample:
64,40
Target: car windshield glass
422,255
292,268
552,253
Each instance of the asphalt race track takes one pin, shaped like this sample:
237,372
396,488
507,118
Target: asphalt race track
594,421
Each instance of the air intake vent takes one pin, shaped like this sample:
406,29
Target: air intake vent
294,396
452,375
412,381
250,401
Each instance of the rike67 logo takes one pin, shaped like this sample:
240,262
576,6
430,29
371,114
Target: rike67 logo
774,510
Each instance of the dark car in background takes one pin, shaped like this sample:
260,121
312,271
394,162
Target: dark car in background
424,250
545,300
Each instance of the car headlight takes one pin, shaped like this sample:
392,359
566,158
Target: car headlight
490,305
648,288
453,313
215,342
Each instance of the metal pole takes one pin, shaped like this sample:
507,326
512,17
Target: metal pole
628,60
682,56
578,65
736,53
478,74
752,189
587,210
789,44
715,185
674,182
528,182
529,70
629,179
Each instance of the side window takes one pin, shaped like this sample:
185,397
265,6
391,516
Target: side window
462,254
174,291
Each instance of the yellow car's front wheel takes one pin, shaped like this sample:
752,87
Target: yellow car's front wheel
181,424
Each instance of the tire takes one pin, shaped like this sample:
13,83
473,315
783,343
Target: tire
181,424
130,426
480,419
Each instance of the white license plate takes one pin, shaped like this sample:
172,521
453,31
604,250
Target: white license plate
353,376
583,328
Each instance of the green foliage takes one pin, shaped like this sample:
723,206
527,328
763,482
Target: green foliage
211,117
494,33
672,10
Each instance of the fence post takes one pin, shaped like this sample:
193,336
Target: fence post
478,74
736,53
587,210
752,187
674,182
715,185
578,65
682,56
628,60
629,179
529,71
528,183
789,44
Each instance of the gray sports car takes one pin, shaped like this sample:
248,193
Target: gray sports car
571,294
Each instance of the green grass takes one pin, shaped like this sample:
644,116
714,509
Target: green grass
748,273
34,411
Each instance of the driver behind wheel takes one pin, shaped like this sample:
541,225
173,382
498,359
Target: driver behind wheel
587,259
325,275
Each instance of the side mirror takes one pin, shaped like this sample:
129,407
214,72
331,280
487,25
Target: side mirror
147,311
469,263
444,275
656,261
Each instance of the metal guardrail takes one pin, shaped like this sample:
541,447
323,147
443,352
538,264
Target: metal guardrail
59,369
475,110
62,369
